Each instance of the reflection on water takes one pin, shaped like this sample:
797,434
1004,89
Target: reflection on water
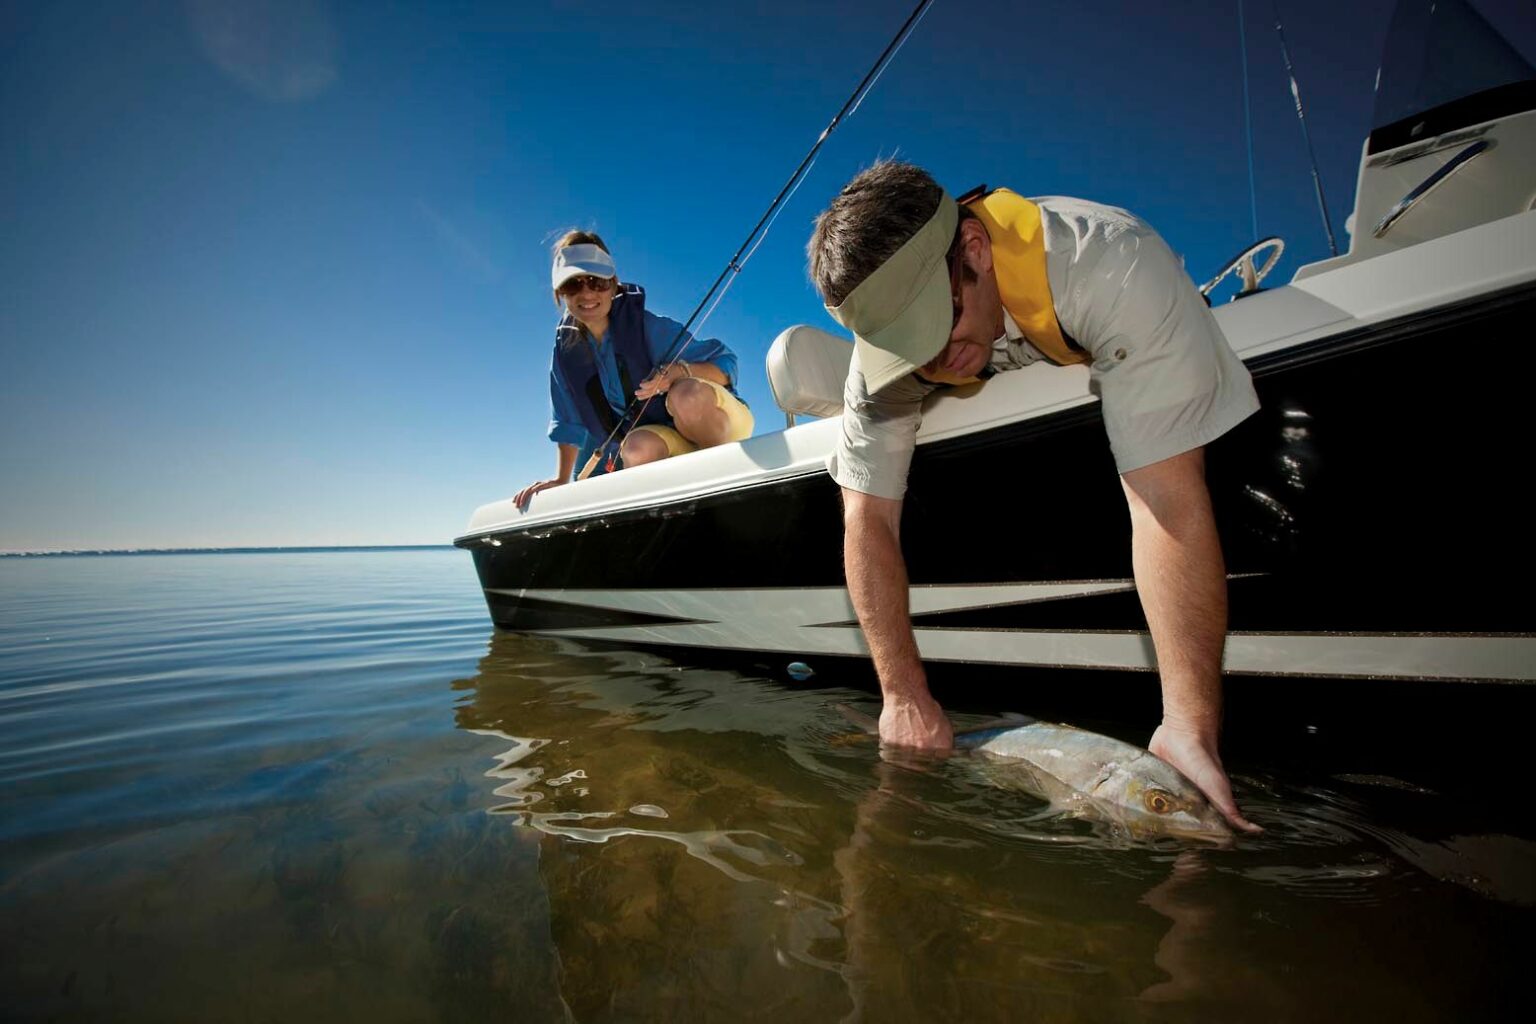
316,787
779,857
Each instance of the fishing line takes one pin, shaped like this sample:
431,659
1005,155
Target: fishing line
743,262
745,259
921,14
753,239
1253,196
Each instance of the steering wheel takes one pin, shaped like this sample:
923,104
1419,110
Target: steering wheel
1243,263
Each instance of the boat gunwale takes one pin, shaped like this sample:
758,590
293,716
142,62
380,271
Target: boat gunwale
1354,336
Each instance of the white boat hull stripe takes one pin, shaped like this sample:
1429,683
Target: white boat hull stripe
820,621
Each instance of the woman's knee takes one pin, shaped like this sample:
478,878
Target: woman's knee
641,447
691,402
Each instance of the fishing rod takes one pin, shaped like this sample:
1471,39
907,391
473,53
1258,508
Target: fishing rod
758,233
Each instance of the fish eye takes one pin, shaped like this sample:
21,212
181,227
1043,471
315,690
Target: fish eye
1158,802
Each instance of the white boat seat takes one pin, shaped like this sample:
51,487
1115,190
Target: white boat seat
806,370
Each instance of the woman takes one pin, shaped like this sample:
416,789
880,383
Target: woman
606,342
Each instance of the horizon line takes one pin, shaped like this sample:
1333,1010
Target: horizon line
219,550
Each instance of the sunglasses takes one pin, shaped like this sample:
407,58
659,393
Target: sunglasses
586,282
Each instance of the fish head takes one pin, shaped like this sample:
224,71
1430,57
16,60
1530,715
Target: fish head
1149,796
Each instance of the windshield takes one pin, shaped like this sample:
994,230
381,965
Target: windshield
1441,51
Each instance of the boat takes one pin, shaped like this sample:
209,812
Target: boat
1373,512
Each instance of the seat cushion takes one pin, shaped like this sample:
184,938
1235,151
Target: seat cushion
806,370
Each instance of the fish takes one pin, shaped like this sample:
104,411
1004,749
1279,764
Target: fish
1088,775
1096,776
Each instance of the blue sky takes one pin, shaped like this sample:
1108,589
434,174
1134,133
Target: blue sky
276,271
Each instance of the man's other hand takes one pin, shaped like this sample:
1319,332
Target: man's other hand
1194,755
917,723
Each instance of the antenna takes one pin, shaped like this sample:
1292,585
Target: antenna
1301,115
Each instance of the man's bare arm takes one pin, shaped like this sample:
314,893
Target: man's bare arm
1181,579
877,583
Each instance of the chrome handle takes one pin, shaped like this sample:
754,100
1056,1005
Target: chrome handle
1426,186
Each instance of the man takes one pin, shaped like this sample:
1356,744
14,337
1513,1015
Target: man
938,292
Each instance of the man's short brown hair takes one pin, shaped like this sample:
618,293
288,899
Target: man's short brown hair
874,215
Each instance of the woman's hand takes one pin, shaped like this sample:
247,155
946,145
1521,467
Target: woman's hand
525,495
660,382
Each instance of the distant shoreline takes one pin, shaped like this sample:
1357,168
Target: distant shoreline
119,552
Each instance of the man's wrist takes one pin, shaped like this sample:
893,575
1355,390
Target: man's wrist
907,687
1205,725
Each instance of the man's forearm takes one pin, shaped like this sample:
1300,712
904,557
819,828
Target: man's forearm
1181,579
1183,591
877,583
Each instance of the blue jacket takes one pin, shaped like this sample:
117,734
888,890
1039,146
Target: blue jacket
572,386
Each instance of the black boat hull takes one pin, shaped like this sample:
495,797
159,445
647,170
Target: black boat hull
1372,515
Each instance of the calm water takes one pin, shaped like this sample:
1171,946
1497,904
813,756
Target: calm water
317,787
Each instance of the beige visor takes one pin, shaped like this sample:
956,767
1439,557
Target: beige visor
902,314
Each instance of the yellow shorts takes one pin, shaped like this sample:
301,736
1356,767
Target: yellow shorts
736,413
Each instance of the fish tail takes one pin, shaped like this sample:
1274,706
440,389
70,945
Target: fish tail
858,719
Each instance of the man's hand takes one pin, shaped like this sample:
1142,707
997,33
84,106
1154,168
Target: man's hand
1195,755
915,723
